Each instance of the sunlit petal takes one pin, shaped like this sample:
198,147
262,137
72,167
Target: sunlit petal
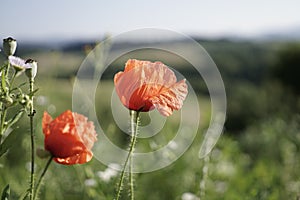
146,85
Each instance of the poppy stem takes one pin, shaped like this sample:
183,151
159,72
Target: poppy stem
134,119
204,176
31,115
131,180
38,185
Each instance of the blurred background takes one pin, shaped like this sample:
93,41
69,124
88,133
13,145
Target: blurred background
256,47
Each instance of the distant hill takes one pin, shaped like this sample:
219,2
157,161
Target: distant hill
292,34
287,34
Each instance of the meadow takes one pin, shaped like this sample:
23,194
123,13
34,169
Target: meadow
256,157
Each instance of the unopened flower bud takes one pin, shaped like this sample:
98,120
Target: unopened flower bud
7,100
28,104
9,46
31,69
24,100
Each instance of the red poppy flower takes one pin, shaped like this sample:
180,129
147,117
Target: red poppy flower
69,137
144,86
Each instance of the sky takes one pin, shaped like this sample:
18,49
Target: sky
67,19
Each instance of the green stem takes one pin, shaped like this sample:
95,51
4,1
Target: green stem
131,179
134,115
3,116
3,107
31,115
204,177
12,80
134,122
38,185
7,70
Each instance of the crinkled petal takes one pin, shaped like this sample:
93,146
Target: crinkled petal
47,119
69,137
64,124
63,145
170,99
85,130
140,81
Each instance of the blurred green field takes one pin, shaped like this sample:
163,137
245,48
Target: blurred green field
257,157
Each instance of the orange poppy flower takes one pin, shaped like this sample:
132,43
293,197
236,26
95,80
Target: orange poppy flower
69,137
145,85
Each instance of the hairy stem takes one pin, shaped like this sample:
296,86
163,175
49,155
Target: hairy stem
31,115
134,127
131,179
204,177
38,185
134,120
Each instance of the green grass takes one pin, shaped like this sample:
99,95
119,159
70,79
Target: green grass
259,161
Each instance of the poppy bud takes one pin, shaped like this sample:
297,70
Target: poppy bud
31,69
24,100
9,46
7,100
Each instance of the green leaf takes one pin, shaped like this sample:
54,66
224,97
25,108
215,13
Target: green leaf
24,195
8,142
15,119
3,66
33,92
6,193
3,82
19,87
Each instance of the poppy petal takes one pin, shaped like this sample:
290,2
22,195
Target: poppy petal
144,85
63,145
170,98
45,123
76,159
85,130
69,137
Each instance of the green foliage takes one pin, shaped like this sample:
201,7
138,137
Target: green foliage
5,193
8,142
286,68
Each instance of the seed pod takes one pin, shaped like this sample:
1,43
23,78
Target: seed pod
9,46
31,69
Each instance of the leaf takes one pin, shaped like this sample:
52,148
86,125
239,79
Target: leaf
19,87
3,82
15,119
3,66
24,195
6,193
8,142
34,91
